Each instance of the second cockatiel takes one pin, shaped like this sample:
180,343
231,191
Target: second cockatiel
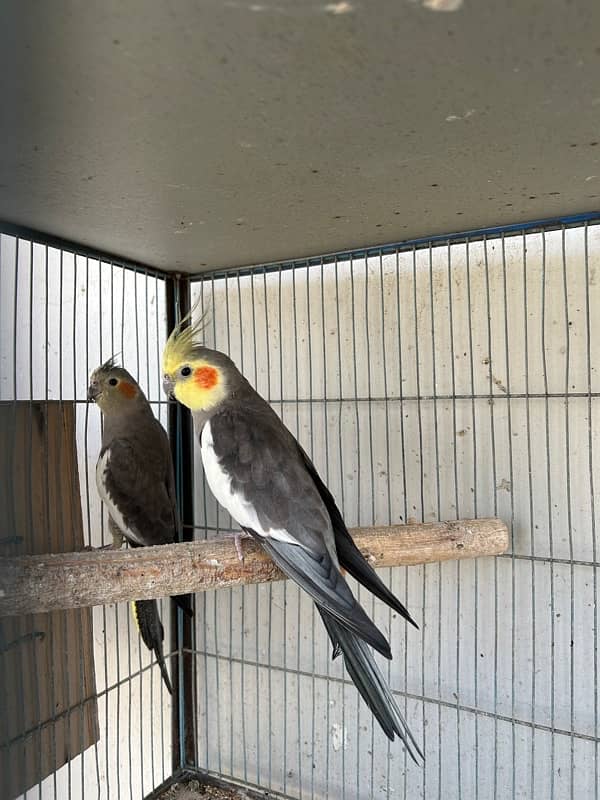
259,472
134,476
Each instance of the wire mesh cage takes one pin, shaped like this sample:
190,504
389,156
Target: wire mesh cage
62,315
452,378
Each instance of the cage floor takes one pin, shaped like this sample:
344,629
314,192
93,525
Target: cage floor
196,785
191,790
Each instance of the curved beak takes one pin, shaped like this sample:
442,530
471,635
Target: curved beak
168,387
93,391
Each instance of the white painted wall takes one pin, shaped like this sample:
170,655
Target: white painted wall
501,683
86,311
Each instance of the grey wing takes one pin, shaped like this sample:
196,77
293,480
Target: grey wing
135,489
262,460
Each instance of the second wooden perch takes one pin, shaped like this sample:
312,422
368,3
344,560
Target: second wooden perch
31,584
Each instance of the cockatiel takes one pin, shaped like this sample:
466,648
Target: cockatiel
259,472
134,476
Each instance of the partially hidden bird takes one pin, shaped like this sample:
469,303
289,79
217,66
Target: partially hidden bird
260,474
135,480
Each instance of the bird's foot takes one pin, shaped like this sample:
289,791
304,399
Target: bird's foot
237,540
117,538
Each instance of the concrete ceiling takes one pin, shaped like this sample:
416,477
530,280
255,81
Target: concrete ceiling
189,135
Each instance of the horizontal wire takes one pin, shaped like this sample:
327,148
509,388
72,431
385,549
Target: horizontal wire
81,703
452,705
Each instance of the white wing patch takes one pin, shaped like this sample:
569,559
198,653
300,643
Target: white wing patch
102,468
240,509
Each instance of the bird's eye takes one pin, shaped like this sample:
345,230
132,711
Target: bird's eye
185,371
113,381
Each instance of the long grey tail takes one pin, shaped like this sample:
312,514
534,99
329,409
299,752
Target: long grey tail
369,681
152,632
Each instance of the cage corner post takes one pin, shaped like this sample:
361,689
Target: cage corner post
180,426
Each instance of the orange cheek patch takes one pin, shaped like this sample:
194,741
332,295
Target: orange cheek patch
128,390
206,377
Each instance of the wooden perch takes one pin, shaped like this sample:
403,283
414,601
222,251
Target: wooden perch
31,584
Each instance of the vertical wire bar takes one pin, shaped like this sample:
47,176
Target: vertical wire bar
475,511
53,691
158,304
298,590
256,587
421,482
512,512
30,521
230,590
550,525
138,637
183,726
494,484
128,680
30,486
436,439
79,612
119,627
270,589
284,659
569,508
422,491
217,594
327,478
20,766
403,452
189,697
457,511
116,605
61,528
311,452
531,511
243,608
189,631
151,672
130,638
136,634
104,616
388,481
217,657
418,379
358,482
372,466
355,379
204,596
588,342
341,448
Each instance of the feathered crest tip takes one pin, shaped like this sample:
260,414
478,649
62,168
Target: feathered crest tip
111,362
187,334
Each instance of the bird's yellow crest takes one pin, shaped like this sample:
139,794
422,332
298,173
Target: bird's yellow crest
194,380
182,341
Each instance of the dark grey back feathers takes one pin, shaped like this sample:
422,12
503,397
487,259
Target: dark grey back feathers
139,478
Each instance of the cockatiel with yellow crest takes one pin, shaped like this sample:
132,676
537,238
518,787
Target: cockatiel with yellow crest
259,472
134,477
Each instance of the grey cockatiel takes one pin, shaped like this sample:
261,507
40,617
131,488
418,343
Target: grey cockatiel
257,470
134,476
